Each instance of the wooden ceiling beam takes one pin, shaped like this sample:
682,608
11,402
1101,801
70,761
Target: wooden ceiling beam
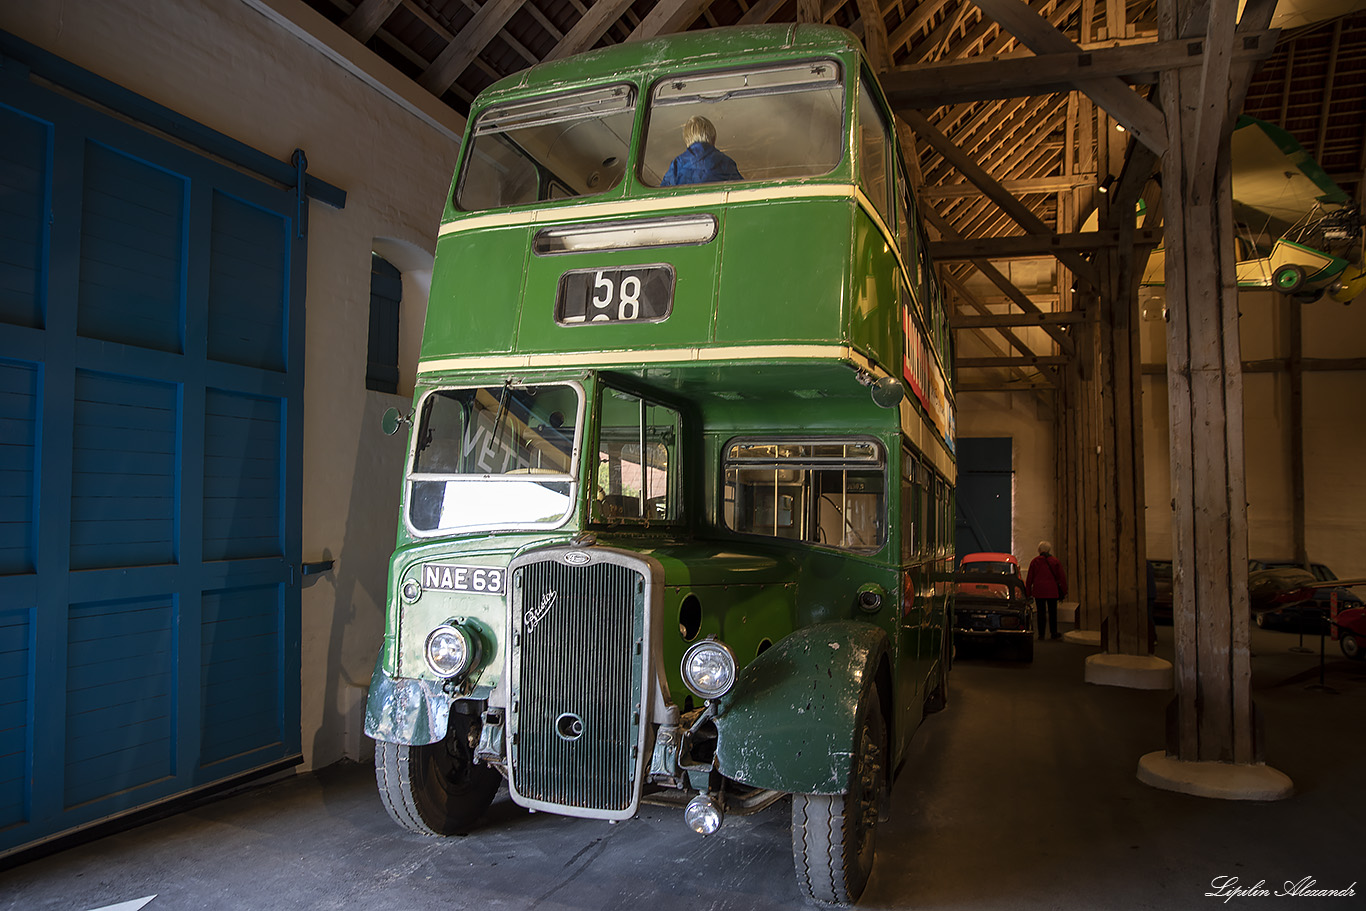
586,32
1030,246
1018,297
1140,117
1016,320
367,17
462,51
668,16
1015,185
936,84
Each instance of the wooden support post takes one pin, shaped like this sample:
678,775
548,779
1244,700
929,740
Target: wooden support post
1211,720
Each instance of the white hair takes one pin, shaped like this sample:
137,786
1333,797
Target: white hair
1045,547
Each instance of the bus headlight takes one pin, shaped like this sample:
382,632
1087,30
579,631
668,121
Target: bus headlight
451,650
709,668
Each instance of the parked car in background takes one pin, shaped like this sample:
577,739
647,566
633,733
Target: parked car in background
990,608
1160,590
1351,632
1301,616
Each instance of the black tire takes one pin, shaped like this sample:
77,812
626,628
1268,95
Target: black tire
833,836
1351,646
435,789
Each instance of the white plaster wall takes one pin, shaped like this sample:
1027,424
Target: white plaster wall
1335,434
275,75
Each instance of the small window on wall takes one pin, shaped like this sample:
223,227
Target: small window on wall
386,293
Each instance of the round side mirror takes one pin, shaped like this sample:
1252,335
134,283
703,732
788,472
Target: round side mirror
391,422
887,392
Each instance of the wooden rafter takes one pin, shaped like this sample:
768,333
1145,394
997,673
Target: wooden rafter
1141,118
367,17
465,47
586,32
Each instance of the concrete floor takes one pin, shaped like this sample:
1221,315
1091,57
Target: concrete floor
1021,795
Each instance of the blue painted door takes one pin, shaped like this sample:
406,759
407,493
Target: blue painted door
151,377
985,495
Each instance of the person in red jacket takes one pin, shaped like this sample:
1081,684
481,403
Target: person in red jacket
1046,582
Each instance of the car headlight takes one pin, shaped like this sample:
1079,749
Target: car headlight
709,668
451,650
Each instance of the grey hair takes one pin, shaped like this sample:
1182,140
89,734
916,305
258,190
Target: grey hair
1045,547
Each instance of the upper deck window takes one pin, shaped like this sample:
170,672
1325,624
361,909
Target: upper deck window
767,123
548,148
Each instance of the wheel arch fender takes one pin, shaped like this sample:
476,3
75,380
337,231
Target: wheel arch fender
406,711
790,721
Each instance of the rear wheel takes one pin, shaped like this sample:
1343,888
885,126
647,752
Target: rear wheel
833,835
436,789
1351,646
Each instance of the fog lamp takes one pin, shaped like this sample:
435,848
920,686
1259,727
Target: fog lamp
451,650
709,668
703,814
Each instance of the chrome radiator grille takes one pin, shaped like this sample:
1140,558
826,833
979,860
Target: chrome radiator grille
578,643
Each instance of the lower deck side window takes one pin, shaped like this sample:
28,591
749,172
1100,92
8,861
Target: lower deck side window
831,493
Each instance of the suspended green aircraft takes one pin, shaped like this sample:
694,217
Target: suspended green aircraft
1298,232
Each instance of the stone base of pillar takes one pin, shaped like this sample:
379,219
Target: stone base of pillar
1222,780
1136,672
1083,637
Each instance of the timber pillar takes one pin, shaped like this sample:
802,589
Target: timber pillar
1214,743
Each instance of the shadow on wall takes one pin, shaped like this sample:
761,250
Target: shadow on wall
360,578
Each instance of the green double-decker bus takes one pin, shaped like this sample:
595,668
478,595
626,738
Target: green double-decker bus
677,511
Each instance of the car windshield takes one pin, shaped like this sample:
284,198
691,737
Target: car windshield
757,124
548,148
494,457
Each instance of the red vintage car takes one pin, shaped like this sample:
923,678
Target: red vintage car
990,607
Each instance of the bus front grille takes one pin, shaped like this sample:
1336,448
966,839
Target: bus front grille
577,673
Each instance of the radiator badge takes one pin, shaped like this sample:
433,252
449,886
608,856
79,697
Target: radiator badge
577,558
535,615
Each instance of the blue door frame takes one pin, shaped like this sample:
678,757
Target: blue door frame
151,439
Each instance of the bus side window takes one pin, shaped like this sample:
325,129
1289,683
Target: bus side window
909,505
875,153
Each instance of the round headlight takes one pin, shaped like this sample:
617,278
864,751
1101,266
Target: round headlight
709,668
451,651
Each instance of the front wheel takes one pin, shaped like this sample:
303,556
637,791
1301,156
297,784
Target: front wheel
1351,646
833,835
436,789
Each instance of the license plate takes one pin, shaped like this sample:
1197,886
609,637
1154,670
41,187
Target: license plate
639,294
452,577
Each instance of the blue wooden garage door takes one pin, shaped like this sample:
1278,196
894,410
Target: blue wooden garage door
151,371
985,496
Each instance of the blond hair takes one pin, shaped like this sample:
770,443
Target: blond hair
699,129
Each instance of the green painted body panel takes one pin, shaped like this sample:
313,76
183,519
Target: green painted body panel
473,304
789,722
785,272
